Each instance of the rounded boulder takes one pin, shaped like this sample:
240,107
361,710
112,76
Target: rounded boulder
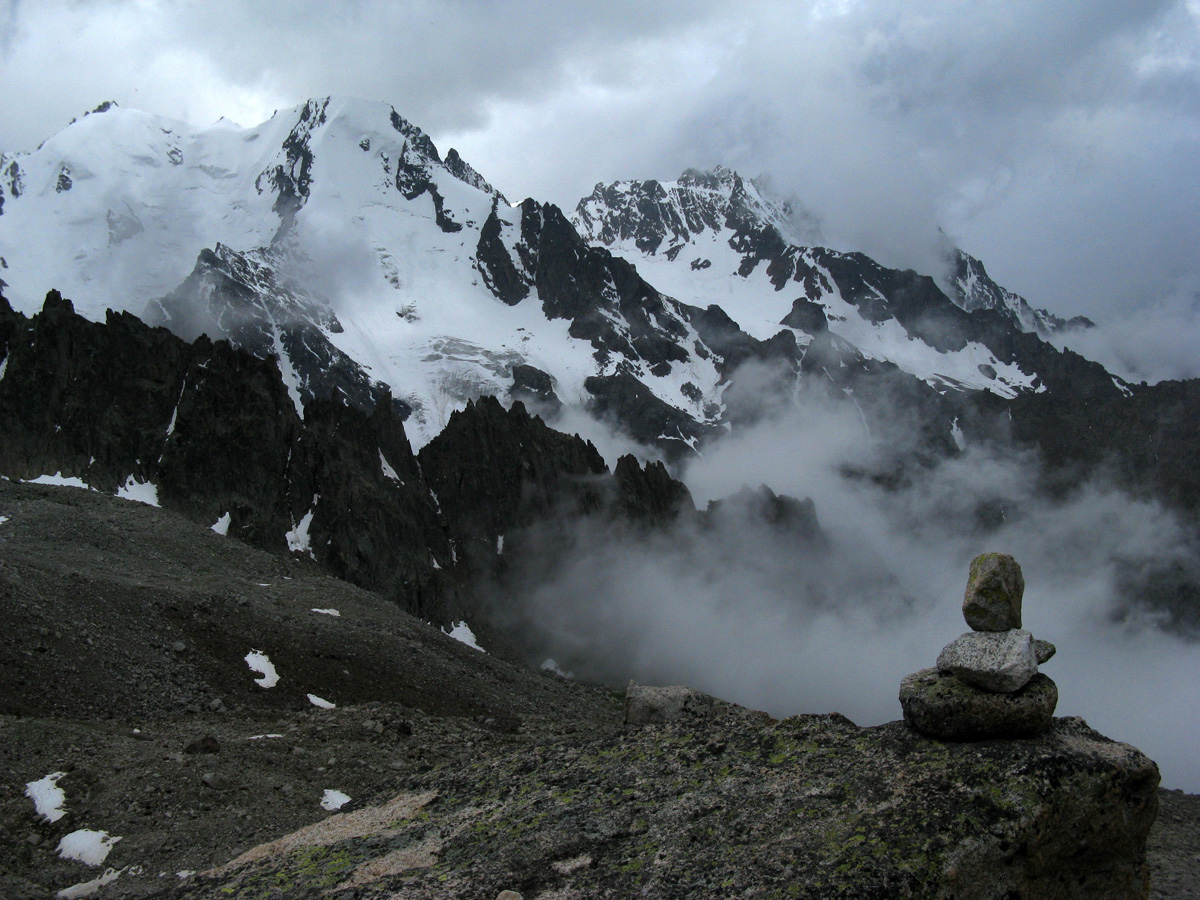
995,586
940,705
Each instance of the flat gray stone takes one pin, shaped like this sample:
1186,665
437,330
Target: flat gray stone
995,586
998,661
940,705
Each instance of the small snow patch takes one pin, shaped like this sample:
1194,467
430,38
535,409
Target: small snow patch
500,545
87,846
185,873
48,798
318,701
61,480
462,632
388,471
3,519
141,491
258,662
297,538
221,526
956,432
328,612
260,737
334,800
87,888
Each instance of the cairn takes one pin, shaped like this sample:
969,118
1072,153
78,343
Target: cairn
986,684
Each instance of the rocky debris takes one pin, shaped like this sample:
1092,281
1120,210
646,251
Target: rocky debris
997,661
943,706
736,804
986,683
995,586
645,705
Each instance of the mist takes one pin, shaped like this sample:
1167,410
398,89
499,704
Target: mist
770,618
1152,343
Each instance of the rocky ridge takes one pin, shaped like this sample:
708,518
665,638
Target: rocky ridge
212,432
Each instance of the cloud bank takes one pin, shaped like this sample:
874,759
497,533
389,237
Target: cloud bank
755,613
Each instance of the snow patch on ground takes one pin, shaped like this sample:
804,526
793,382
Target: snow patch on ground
221,526
388,471
328,612
58,478
321,702
141,491
297,538
956,432
334,800
261,737
500,545
258,662
3,519
462,632
87,846
48,798
87,888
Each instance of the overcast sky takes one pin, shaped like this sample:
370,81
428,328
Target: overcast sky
1058,141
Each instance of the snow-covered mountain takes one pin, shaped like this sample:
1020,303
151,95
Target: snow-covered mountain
338,239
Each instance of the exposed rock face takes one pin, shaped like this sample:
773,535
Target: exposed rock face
999,661
995,586
244,298
215,429
495,470
535,389
735,804
645,705
650,494
942,706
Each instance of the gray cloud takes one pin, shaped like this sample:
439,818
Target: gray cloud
753,614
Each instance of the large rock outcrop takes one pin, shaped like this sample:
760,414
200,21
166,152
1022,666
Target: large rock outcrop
728,803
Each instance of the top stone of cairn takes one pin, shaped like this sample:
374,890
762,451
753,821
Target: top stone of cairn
994,590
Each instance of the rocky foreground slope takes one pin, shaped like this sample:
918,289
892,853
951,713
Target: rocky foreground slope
123,665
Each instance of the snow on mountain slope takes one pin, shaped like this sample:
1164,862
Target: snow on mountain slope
336,232
714,238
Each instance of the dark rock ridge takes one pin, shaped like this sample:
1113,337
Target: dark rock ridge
214,429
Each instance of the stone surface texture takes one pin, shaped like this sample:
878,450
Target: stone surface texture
943,706
645,705
739,805
995,586
1043,651
995,661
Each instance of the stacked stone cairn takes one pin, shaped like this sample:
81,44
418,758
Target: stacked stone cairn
986,684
